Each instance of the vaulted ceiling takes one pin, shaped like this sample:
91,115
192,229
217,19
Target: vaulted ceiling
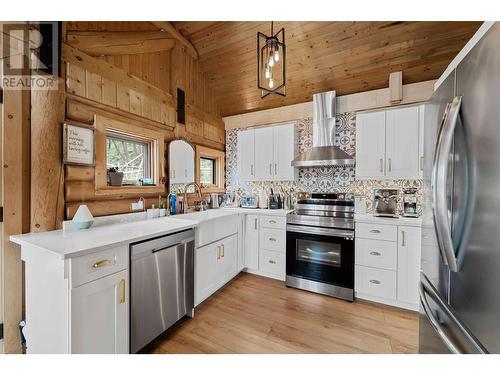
346,56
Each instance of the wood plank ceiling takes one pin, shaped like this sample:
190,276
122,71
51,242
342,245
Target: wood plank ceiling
346,56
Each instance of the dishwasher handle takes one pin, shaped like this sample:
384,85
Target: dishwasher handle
166,247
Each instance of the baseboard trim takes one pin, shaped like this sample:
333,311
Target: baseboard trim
264,274
387,301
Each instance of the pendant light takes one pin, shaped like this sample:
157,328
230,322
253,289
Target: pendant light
271,60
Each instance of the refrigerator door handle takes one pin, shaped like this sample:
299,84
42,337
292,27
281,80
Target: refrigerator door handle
426,289
434,322
439,180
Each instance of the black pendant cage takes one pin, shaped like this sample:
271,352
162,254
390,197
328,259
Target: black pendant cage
271,63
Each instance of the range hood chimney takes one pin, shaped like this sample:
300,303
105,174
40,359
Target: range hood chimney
324,152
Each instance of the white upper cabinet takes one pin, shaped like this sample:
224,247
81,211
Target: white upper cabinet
266,154
402,142
264,163
181,162
370,144
284,152
246,153
389,143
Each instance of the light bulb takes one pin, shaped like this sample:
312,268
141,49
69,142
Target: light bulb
276,56
271,83
271,62
267,73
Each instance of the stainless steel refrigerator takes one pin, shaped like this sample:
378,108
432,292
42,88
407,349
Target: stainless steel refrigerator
460,278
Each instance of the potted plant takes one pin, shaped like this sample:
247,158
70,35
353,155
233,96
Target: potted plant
115,178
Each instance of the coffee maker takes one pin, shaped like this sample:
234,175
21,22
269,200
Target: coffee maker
410,202
385,202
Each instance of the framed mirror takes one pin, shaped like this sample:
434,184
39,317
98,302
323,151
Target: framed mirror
181,165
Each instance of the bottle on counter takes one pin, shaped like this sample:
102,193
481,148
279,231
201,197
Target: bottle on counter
173,204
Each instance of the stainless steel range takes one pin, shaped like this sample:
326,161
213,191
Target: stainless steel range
320,245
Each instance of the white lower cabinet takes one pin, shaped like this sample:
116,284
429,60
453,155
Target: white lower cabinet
272,262
215,264
251,242
99,316
387,261
409,245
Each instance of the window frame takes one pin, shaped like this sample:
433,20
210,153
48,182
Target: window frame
105,126
214,169
219,159
127,137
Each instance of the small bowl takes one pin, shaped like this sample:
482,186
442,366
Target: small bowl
83,224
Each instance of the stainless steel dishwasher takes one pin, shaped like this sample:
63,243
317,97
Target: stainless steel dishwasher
162,285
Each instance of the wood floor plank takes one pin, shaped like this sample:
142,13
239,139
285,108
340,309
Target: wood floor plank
252,314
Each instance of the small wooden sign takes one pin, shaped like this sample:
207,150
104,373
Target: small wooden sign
78,144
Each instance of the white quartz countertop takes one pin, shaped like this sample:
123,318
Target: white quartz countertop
401,220
72,243
123,229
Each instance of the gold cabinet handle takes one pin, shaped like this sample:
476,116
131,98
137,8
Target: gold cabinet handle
373,281
272,221
101,263
275,168
272,261
374,231
376,253
403,239
390,164
381,165
421,163
218,252
272,239
122,287
222,247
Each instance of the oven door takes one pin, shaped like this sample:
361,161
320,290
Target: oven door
320,254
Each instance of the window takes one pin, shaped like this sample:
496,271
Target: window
207,171
131,156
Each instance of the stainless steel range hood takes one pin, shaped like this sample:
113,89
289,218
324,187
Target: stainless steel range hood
324,152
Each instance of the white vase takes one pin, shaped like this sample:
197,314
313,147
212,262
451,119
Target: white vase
83,219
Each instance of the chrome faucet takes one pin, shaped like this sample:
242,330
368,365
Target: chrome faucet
197,187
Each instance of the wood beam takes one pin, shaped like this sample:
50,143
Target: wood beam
169,28
16,200
110,43
112,72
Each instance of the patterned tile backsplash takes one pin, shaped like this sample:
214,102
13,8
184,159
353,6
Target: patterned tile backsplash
318,179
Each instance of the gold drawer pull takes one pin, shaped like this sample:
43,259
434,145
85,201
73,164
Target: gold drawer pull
101,263
272,261
122,287
222,247
374,231
373,281
376,253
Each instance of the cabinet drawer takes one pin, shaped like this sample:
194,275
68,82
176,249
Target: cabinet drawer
272,262
377,231
273,222
376,253
376,282
96,265
273,239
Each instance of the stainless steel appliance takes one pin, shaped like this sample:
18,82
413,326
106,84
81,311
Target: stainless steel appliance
385,202
324,152
249,201
460,279
410,202
320,245
162,285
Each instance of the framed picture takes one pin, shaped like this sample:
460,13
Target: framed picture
78,144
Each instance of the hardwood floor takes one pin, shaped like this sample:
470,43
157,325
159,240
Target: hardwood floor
252,314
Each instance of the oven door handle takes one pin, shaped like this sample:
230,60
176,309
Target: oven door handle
348,234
